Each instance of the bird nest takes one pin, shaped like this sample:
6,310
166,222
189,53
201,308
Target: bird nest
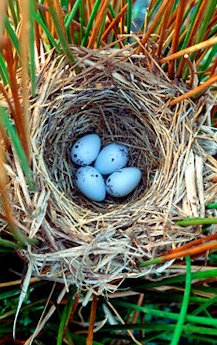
112,93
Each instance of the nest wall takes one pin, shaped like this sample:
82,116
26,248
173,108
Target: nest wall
97,245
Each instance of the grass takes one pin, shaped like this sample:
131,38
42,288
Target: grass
170,310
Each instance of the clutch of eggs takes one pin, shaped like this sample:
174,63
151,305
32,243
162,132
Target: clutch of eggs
111,160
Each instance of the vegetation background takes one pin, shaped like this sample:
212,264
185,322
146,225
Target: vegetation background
176,310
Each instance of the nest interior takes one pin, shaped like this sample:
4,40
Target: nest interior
97,245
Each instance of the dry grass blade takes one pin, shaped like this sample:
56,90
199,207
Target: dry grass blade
198,90
89,340
192,35
59,13
3,6
115,21
175,40
154,23
98,21
19,119
4,186
208,43
164,28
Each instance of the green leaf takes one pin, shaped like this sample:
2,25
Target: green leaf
90,23
182,315
10,129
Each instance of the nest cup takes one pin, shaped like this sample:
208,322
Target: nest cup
98,245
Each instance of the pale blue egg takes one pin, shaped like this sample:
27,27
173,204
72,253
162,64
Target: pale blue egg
123,181
85,150
111,158
90,183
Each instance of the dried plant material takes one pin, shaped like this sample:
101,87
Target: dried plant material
98,245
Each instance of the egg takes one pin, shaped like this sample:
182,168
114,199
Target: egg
90,183
123,181
111,158
85,150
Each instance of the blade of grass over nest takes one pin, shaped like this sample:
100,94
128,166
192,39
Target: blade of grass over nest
90,22
8,126
179,326
198,90
50,37
3,71
32,46
163,28
191,32
153,24
60,34
175,39
13,13
24,52
12,35
59,14
66,314
204,23
129,15
208,43
18,115
3,7
72,14
98,22
114,22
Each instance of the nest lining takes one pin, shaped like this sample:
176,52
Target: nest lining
93,244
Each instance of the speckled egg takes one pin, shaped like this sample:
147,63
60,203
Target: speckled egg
90,183
123,181
85,150
111,158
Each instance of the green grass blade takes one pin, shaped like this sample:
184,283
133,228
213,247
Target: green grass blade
179,326
61,36
12,35
100,33
210,9
181,278
10,244
82,20
53,42
205,305
196,221
13,12
193,17
3,71
65,315
10,129
72,14
129,16
211,206
152,327
32,48
168,315
90,23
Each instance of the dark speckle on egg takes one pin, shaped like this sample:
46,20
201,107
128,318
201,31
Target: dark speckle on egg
97,175
113,159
